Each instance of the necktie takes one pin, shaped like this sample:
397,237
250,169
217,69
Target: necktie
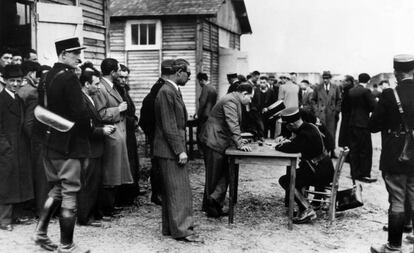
179,92
326,88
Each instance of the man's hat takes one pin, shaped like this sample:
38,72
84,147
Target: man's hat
290,115
326,74
231,75
12,71
404,62
68,45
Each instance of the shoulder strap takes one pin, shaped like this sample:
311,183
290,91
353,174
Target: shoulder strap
400,109
45,88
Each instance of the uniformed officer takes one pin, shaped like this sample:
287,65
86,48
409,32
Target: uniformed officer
315,168
398,175
66,153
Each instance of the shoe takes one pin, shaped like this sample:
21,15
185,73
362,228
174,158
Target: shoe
23,221
213,208
224,211
92,223
369,179
410,238
71,248
316,205
44,242
385,248
8,227
192,238
406,229
305,216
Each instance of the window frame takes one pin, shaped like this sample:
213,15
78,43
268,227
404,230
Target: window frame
158,33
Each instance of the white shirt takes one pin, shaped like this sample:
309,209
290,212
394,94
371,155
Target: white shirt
109,82
90,99
10,93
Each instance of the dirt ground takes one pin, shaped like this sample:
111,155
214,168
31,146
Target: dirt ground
260,222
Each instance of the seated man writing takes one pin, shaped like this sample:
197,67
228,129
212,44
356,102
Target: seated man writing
315,168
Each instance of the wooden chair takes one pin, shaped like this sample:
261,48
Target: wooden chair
330,193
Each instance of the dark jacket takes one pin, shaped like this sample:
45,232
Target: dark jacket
308,142
207,100
343,139
15,171
222,128
362,104
96,139
170,123
64,96
386,118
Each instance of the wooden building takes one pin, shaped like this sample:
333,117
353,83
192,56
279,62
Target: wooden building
206,33
36,24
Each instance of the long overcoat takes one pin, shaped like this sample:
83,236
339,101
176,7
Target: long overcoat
327,106
16,183
115,164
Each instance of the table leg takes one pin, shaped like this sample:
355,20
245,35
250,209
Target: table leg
232,188
292,191
287,192
236,182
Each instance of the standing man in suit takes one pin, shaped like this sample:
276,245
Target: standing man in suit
170,150
221,131
362,104
115,162
66,153
207,100
15,170
398,175
92,174
326,100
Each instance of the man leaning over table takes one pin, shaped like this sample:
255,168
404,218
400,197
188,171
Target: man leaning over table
221,131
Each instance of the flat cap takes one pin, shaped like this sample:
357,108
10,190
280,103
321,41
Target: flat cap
404,62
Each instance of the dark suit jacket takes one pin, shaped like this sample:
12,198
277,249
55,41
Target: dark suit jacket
15,170
96,139
222,128
170,123
29,95
65,99
362,104
386,117
207,100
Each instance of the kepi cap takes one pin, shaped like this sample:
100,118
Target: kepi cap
404,62
68,45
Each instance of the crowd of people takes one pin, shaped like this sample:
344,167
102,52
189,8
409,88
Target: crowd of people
68,144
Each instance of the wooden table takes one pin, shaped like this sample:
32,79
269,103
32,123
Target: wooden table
261,155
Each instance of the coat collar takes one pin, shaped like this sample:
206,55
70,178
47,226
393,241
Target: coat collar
11,103
112,90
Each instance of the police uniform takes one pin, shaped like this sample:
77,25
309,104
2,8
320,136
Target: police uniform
316,168
398,176
66,153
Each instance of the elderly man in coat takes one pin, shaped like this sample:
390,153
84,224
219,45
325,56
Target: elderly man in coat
15,173
221,131
115,163
326,100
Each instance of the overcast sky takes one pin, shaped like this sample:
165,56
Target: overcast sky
344,36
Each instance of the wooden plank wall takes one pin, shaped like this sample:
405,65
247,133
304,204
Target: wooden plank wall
94,30
65,2
144,66
117,41
210,51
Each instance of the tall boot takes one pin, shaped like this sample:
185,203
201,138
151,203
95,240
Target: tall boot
40,237
67,221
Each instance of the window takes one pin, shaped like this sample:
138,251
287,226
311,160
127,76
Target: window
143,35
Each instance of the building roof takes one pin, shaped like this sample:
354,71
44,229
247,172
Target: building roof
147,8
